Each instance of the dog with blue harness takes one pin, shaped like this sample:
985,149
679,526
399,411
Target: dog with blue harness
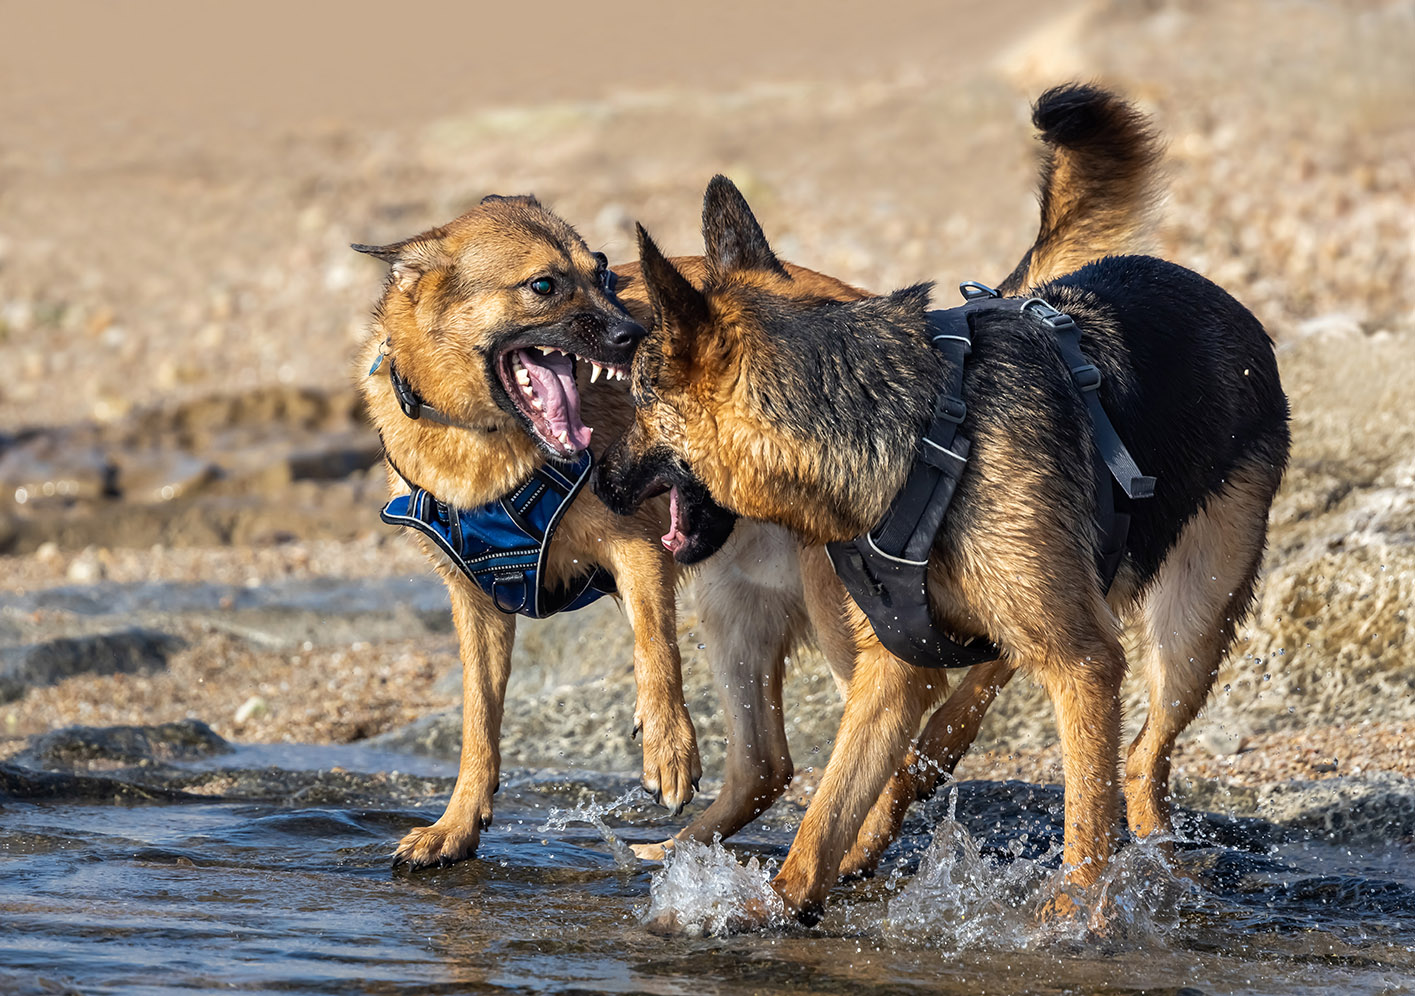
498,342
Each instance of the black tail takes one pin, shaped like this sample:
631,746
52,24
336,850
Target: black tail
1100,182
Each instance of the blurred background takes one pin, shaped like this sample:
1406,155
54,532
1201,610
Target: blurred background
189,497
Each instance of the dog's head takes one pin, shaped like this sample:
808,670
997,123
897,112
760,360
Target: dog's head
728,387
488,316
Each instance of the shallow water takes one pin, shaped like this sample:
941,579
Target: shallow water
247,893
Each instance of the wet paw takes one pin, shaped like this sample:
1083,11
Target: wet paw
861,862
437,845
652,852
672,768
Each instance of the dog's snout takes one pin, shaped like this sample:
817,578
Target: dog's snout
625,333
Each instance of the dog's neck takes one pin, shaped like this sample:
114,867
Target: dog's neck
820,431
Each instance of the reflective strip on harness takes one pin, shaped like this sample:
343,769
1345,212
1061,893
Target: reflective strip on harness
503,545
885,571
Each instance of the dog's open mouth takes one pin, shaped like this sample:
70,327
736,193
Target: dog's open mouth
697,525
540,381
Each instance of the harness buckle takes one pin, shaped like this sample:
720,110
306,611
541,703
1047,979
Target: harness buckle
1087,378
408,399
953,409
974,291
1051,318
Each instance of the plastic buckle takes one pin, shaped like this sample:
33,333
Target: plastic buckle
953,409
1088,377
408,399
974,291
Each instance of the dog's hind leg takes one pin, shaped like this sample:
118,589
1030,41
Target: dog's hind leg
484,636
947,736
1202,591
1084,687
750,615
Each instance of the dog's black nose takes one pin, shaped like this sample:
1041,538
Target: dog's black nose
625,332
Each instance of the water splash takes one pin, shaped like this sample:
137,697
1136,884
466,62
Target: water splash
963,899
592,813
703,890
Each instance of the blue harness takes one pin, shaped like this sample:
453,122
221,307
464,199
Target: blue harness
502,545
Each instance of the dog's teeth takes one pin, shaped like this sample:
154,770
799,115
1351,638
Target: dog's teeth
595,371
564,436
522,377
536,403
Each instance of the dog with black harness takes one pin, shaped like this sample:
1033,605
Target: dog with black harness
813,413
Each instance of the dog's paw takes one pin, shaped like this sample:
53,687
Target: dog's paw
652,852
672,768
443,843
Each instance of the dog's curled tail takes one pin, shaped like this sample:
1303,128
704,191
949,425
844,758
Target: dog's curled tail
1101,182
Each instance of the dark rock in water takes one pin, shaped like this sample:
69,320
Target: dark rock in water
20,783
121,652
119,746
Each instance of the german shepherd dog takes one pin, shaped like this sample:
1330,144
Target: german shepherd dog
807,412
476,359
1099,185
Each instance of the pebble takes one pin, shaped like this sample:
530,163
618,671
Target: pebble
253,707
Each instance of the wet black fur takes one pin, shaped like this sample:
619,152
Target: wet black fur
1189,380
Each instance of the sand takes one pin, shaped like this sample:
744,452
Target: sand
173,228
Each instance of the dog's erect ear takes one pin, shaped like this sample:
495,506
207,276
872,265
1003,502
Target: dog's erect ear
672,297
388,253
405,266
731,235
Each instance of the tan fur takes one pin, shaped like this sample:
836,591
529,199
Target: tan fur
447,293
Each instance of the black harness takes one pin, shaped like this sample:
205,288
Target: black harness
885,570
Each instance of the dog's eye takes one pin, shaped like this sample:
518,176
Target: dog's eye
542,286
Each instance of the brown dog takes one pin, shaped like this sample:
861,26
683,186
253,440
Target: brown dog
807,412
476,363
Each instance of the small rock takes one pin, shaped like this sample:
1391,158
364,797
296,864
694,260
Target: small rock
86,568
252,707
1220,742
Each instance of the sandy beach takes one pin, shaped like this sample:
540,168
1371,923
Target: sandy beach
178,308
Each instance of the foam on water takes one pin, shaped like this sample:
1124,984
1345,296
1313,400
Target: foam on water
703,889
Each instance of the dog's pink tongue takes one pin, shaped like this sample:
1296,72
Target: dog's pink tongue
674,540
553,380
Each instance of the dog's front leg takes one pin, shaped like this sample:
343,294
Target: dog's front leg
886,700
485,637
671,764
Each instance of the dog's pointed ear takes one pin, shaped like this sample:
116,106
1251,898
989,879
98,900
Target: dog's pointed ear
732,237
671,295
406,260
388,253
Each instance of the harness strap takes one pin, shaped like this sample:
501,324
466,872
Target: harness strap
503,546
1087,377
886,570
